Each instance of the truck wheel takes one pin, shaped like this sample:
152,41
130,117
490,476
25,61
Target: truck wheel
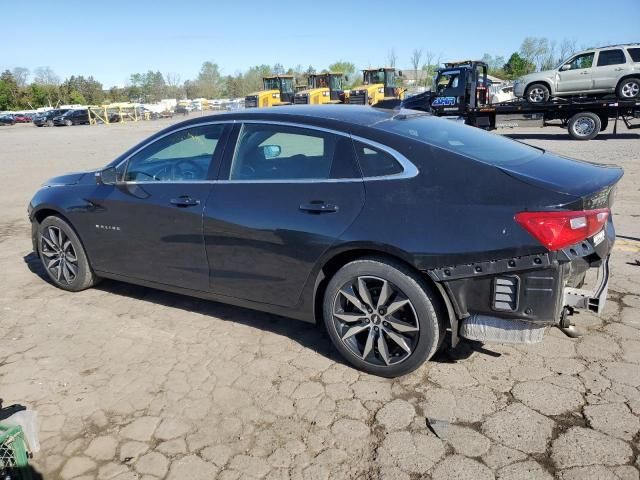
629,88
537,93
584,126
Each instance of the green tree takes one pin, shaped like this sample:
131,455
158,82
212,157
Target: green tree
517,66
209,82
348,69
8,91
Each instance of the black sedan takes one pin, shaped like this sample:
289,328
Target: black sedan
389,227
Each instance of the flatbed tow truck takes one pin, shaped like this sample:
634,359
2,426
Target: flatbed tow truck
461,92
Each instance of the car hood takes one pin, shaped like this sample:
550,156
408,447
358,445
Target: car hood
537,75
66,179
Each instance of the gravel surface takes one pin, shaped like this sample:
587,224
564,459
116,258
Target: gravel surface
134,383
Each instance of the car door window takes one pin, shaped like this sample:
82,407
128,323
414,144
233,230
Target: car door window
634,53
581,61
279,152
611,57
182,156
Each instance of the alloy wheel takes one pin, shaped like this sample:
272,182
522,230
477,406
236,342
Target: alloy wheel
59,254
536,95
584,126
375,320
630,90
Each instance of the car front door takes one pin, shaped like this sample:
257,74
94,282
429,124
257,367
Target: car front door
285,195
610,66
576,75
149,225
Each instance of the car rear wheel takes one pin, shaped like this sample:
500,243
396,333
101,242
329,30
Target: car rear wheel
584,126
63,256
629,88
382,317
537,93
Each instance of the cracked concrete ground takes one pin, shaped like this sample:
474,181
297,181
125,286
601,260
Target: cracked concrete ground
134,383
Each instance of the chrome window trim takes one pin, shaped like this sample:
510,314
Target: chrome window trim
409,169
193,125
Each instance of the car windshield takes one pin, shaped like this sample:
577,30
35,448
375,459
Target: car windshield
472,142
335,82
373,76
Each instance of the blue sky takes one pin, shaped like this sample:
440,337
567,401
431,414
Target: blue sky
111,40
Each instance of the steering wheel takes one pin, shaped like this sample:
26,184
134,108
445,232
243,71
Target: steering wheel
153,177
193,171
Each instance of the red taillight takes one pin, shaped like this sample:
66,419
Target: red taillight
557,230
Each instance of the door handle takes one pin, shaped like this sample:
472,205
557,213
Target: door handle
618,69
317,206
184,201
584,73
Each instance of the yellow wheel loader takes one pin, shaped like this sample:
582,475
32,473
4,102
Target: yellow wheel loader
323,88
276,90
377,84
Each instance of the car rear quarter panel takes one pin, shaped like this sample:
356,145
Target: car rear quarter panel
456,210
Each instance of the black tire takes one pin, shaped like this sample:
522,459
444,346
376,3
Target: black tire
49,123
537,93
584,126
629,88
61,278
604,123
423,306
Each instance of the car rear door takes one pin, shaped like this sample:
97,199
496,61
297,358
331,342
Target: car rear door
149,225
285,194
610,66
577,75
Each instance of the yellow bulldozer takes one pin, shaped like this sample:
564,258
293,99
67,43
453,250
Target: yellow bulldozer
377,84
323,88
276,90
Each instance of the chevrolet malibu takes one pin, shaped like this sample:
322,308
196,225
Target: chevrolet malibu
390,228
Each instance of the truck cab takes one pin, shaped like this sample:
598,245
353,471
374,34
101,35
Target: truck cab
460,86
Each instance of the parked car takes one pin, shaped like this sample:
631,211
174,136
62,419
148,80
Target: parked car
72,117
606,70
46,118
7,119
388,227
22,118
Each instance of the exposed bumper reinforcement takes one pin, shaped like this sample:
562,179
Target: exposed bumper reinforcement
593,300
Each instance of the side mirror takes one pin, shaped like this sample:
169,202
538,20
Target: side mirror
271,151
346,78
566,66
399,73
107,176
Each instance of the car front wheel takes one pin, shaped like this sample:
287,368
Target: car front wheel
537,93
63,256
629,88
382,317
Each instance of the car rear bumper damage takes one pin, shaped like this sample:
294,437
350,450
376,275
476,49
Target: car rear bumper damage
515,300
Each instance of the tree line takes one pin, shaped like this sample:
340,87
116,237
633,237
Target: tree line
24,89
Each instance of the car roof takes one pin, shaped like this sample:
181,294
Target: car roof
316,114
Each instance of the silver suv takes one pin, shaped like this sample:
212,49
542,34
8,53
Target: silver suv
596,71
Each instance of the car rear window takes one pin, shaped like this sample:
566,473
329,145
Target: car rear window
635,54
462,139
